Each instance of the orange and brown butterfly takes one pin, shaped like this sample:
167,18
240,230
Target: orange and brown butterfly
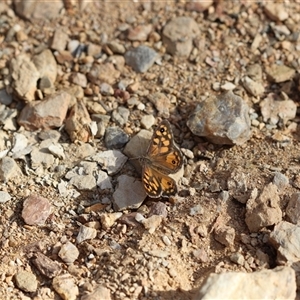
163,157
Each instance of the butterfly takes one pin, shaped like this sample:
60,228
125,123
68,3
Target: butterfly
162,158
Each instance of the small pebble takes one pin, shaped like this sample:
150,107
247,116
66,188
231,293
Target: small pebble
26,281
68,252
166,240
237,258
115,138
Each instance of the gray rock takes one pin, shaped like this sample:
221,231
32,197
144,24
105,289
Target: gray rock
121,115
26,281
68,252
188,153
129,193
224,196
286,239
227,122
41,156
115,138
53,135
57,150
293,209
111,161
67,192
158,208
196,210
281,285
9,169
280,180
4,197
265,210
82,177
104,181
178,35
20,142
85,233
140,59
106,89
5,98
102,123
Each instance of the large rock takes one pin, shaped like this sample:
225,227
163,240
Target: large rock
222,120
279,283
46,114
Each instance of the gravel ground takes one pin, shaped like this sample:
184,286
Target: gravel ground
79,80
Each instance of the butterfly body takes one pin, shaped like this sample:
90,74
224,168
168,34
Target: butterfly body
163,157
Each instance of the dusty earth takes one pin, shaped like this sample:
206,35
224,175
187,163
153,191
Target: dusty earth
172,262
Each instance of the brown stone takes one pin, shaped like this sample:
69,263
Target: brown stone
46,114
36,210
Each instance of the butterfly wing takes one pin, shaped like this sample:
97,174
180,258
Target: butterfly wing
158,184
162,151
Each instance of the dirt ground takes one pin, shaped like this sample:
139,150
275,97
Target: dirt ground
176,268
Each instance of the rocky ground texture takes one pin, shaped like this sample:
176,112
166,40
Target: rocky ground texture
82,86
